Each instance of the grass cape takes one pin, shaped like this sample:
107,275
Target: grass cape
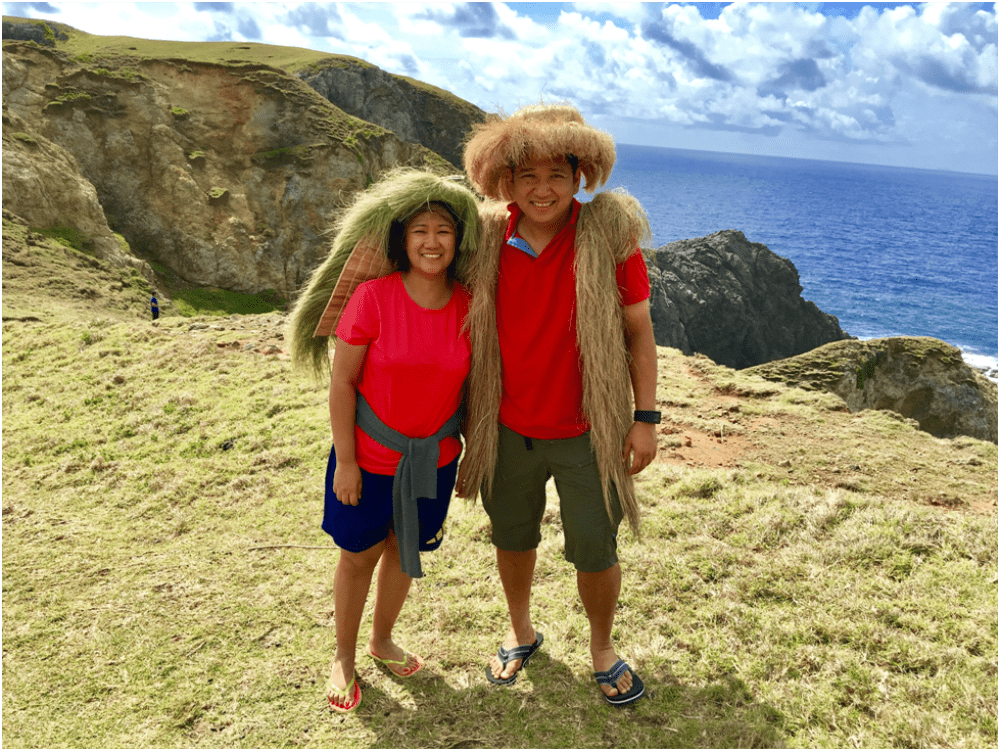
359,253
608,229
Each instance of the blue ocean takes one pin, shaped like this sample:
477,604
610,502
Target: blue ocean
889,251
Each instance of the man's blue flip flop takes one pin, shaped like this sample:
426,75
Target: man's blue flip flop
610,678
522,653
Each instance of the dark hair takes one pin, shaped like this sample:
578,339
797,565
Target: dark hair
396,250
571,159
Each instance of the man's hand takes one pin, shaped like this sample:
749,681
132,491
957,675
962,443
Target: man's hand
640,446
347,483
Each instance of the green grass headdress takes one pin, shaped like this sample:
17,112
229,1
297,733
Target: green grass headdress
359,253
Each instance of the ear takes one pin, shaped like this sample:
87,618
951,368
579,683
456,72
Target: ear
576,182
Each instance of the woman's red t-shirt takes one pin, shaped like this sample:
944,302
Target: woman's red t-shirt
415,368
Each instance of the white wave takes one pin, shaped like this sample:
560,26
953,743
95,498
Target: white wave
983,363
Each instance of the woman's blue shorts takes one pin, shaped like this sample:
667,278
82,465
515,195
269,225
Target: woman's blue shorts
357,528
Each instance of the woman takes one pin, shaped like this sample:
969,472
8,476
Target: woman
398,374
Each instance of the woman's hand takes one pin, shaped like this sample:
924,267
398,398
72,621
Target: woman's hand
460,481
347,483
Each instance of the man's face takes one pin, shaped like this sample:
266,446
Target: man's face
544,190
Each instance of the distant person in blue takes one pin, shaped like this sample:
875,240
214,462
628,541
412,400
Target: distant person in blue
154,306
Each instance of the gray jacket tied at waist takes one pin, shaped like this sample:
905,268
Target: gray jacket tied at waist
416,476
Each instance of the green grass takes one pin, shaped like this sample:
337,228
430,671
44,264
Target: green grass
221,302
71,237
90,47
152,474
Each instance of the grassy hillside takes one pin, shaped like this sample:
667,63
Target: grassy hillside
808,577
120,50
81,44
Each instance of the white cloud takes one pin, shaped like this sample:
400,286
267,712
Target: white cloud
632,12
929,48
775,69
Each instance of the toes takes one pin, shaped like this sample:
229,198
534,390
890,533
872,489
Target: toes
622,687
625,683
503,671
508,671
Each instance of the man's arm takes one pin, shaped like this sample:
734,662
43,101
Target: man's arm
641,439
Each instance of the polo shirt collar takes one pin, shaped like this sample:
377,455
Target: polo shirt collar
513,239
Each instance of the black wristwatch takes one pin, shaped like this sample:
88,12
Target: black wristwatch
647,415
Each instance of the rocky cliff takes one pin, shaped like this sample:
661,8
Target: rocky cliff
920,378
412,110
42,183
224,164
733,300
227,173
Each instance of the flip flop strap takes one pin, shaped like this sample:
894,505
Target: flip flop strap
343,693
517,653
389,661
610,677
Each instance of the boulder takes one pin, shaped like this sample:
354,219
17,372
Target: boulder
733,300
39,32
414,111
920,378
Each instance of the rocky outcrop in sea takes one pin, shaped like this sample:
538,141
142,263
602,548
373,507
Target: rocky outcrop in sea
733,300
920,378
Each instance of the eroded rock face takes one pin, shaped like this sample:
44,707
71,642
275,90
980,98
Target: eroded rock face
414,112
43,185
921,378
733,300
228,174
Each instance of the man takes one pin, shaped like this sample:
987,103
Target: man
560,329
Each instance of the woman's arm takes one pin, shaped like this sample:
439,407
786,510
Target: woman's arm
347,362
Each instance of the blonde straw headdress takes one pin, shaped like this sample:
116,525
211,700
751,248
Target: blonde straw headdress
539,131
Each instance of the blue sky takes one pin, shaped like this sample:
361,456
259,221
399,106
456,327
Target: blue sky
903,84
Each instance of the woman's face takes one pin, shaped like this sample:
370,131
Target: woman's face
430,243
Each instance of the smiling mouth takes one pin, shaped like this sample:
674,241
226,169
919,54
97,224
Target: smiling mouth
433,256
541,205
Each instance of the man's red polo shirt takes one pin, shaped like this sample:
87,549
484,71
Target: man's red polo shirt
536,323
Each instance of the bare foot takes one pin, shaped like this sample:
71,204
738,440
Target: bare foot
603,661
